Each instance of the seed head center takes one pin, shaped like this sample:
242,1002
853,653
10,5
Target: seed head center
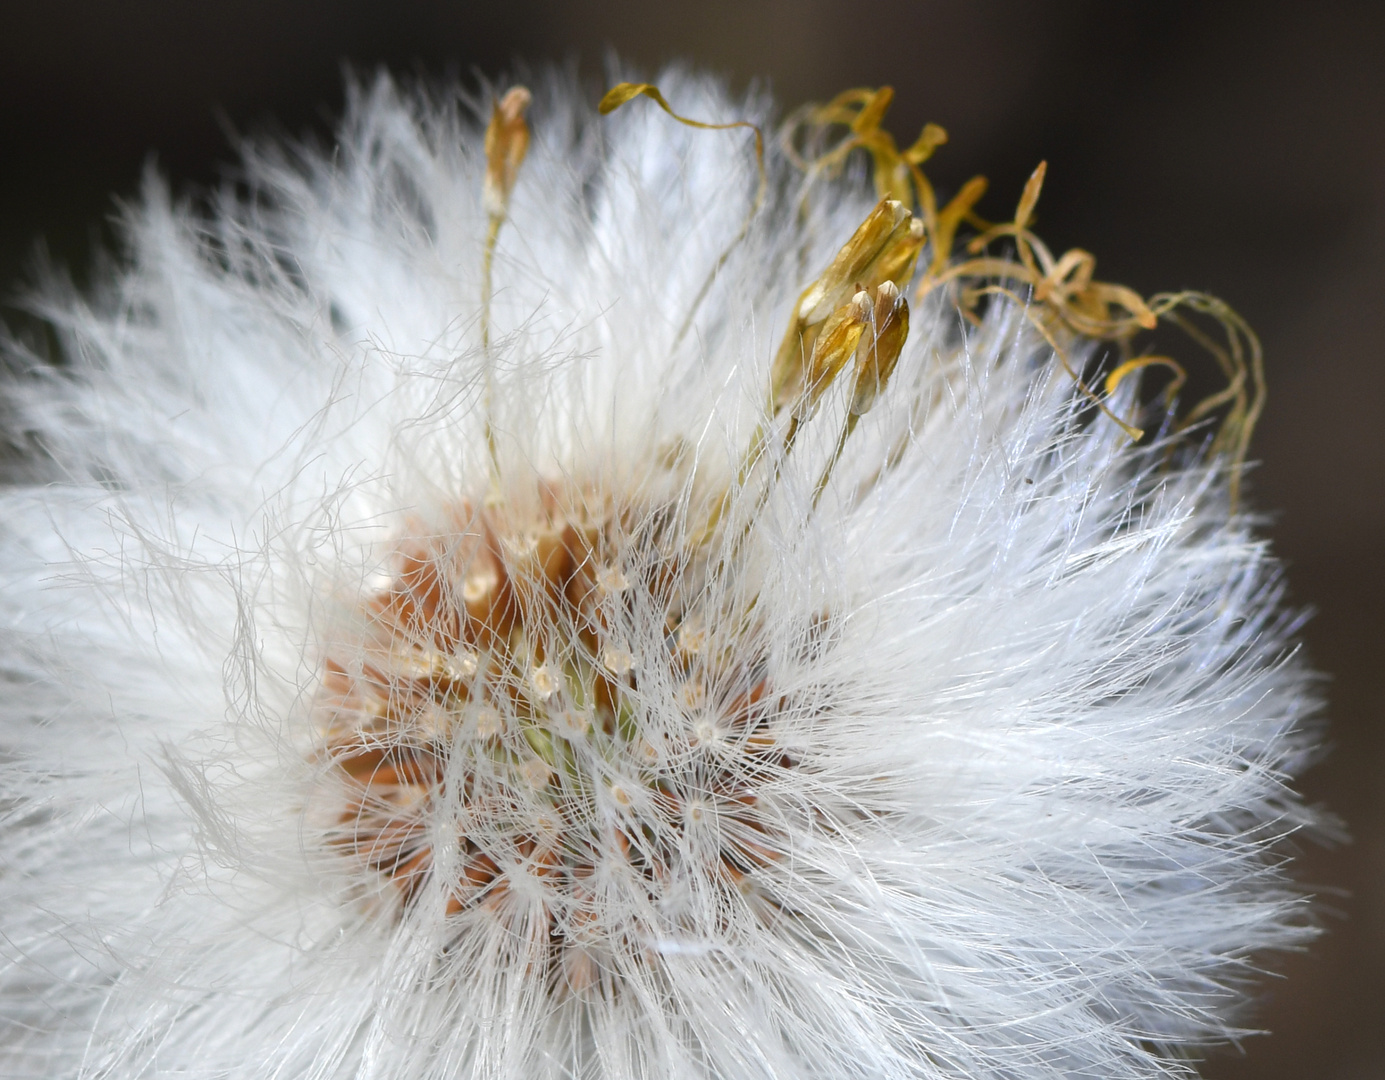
539,703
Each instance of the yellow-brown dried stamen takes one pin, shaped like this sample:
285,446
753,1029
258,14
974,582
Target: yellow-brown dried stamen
506,144
896,172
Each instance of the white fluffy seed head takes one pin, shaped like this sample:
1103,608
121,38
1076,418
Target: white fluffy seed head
383,703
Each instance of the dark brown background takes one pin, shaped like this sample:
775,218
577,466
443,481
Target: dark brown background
1238,148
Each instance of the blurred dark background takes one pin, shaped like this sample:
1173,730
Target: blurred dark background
1236,148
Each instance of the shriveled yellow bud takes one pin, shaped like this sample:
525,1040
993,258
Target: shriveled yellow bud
949,219
882,231
900,255
1029,197
840,336
885,248
872,113
507,141
879,350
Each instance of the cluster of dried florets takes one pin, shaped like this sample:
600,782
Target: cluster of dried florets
496,700
1066,303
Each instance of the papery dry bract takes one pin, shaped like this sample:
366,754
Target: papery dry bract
664,737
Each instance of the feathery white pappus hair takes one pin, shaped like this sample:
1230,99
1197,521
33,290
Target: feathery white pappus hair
976,766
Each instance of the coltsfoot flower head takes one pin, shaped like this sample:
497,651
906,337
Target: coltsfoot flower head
543,593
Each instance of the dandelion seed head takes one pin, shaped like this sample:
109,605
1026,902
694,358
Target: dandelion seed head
543,593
